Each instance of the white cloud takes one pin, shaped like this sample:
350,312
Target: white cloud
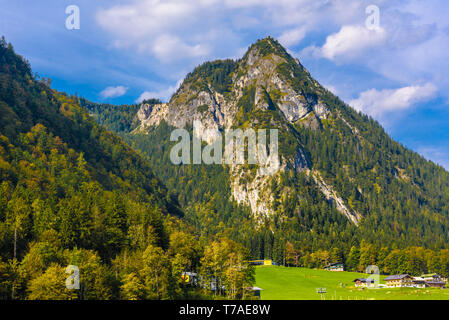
378,102
205,25
154,26
113,92
292,37
164,94
410,47
145,17
168,48
351,41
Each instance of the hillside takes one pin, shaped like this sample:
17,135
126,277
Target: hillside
73,193
47,137
344,184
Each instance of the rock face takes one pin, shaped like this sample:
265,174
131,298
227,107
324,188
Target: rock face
253,193
152,115
212,107
332,196
265,89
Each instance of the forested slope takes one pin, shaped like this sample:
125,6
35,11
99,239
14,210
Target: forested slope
73,193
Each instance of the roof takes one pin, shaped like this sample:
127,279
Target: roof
334,264
364,280
397,277
255,288
435,282
430,275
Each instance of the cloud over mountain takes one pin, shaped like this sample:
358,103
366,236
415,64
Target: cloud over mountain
378,102
113,92
352,40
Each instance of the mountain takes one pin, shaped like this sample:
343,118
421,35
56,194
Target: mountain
267,88
74,193
343,182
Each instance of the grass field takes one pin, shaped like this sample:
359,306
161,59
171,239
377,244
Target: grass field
282,283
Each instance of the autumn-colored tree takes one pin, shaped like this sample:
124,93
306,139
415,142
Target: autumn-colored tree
291,255
94,276
132,288
18,219
5,281
156,274
353,259
185,245
180,265
51,285
368,254
224,265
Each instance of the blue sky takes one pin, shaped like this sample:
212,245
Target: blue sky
127,50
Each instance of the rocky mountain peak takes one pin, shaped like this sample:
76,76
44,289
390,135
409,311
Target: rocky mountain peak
266,88
267,78
264,47
280,81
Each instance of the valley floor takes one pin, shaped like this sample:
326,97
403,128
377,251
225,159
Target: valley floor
283,283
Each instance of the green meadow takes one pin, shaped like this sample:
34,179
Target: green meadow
283,283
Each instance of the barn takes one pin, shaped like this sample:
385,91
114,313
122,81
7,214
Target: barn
364,282
399,280
336,266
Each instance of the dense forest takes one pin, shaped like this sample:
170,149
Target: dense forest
199,189
73,193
